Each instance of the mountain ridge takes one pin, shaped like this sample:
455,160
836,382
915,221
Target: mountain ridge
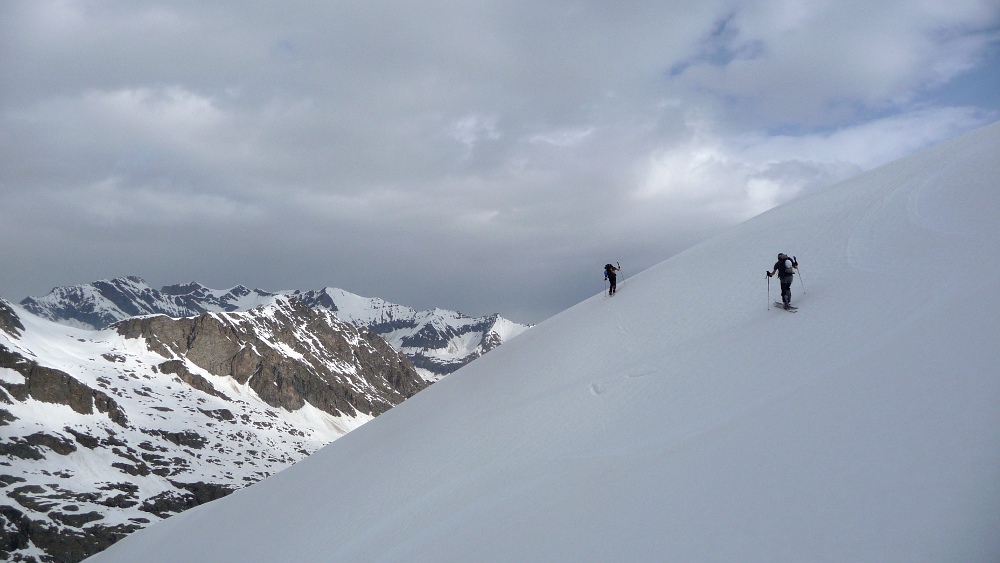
437,341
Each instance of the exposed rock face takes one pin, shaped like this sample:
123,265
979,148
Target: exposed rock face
338,368
104,432
53,386
68,538
437,341
8,320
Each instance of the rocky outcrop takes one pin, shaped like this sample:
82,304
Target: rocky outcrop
53,386
69,536
332,365
180,369
9,321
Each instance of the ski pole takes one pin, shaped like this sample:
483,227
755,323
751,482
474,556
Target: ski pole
800,275
768,291
620,269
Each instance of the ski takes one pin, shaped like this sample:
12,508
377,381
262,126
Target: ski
781,305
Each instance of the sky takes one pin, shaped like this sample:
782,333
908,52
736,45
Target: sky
486,157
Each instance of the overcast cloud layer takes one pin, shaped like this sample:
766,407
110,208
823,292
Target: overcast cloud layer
479,156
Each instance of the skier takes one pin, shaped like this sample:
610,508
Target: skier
785,268
609,274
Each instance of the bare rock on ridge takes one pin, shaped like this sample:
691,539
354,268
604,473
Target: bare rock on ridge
288,354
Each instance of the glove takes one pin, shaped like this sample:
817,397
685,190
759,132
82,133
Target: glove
768,274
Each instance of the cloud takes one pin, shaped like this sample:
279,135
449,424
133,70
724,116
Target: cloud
563,138
435,153
740,176
822,63
472,129
112,203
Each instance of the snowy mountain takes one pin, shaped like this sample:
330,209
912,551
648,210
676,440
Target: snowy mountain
106,431
99,304
685,418
437,341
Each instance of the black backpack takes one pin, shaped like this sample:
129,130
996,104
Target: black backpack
788,266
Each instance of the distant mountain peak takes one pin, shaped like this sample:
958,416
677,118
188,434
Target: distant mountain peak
437,340
182,289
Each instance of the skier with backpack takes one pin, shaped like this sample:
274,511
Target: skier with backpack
785,267
609,274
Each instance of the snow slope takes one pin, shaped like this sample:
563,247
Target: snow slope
684,418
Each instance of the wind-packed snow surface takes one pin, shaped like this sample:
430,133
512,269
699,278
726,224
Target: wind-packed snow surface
685,418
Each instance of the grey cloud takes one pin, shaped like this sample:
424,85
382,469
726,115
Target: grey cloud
827,63
480,156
